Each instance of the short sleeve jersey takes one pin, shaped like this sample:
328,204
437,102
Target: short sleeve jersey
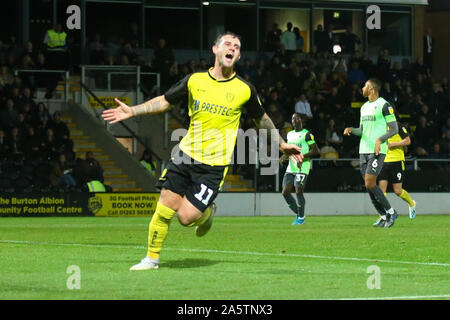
397,153
215,108
303,139
375,116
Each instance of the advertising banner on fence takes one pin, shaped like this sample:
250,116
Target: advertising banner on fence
123,204
108,101
44,205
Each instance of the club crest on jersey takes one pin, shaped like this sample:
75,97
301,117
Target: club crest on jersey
391,110
230,96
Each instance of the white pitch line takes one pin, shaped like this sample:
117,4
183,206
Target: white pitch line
398,297
229,252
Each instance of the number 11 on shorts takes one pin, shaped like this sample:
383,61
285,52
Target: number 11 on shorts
202,192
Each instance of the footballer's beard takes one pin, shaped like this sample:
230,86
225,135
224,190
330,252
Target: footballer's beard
223,63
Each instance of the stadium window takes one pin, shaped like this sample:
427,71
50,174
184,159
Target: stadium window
394,35
180,27
299,17
41,19
340,19
101,20
238,17
9,25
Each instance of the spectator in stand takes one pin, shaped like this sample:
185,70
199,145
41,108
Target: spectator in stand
174,75
273,99
97,54
193,65
21,125
61,133
367,66
424,137
324,84
333,137
163,59
32,144
319,123
6,77
428,49
330,38
436,153
110,60
339,64
127,51
320,39
383,64
438,100
356,93
55,38
294,80
288,39
299,42
284,57
26,97
261,78
14,142
9,114
445,128
55,174
421,86
148,162
303,107
66,167
49,144
425,112
145,65
310,85
355,75
43,80
41,114
27,62
387,93
406,102
277,71
419,67
348,41
273,38
247,68
96,170
3,144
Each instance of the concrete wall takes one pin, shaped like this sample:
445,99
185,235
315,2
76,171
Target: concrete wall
273,204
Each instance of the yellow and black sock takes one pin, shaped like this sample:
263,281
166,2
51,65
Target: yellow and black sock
159,226
406,197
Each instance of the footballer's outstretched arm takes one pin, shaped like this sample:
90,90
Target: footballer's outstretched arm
122,112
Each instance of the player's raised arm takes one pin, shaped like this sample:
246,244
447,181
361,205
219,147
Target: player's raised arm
266,123
122,112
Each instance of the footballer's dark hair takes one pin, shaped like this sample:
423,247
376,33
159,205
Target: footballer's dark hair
376,84
226,33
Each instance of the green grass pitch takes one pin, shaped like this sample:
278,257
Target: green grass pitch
258,258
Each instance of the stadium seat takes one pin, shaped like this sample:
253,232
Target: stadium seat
331,155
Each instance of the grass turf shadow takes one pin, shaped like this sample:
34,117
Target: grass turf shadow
188,263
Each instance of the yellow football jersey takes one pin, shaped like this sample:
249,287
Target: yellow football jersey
397,153
215,108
